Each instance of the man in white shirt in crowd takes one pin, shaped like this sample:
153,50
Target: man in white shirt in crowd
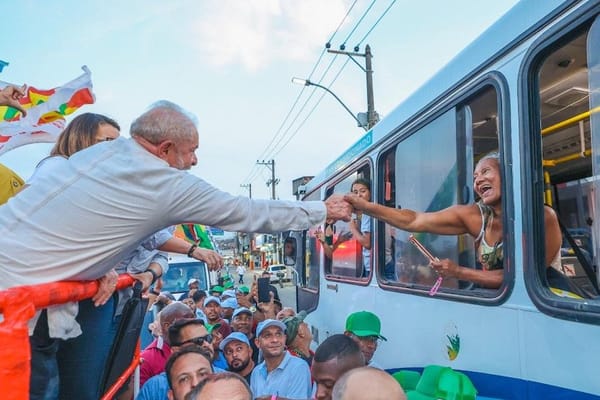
280,374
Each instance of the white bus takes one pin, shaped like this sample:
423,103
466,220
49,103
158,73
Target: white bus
529,88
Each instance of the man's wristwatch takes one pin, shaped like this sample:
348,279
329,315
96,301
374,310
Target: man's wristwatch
154,292
155,276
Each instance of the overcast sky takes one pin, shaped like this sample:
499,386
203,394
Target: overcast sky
231,63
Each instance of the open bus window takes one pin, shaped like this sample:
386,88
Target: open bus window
568,139
344,254
452,142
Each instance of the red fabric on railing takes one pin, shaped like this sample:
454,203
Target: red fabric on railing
18,306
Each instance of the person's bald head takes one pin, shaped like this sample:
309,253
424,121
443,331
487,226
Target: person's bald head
367,383
172,313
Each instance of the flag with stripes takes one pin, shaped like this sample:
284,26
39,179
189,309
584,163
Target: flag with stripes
46,111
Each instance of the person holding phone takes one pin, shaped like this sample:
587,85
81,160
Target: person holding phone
482,220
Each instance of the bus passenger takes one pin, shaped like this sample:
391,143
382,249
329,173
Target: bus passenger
361,226
482,220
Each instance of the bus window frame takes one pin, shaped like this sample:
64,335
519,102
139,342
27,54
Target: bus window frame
360,164
307,297
539,292
498,82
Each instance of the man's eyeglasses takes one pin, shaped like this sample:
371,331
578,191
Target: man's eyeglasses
197,340
368,339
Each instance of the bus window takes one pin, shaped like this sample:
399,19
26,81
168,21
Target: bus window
344,254
453,143
564,130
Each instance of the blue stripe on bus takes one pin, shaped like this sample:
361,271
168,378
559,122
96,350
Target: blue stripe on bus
502,387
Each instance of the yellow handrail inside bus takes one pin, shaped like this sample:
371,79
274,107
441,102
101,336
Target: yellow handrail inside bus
547,189
555,161
570,121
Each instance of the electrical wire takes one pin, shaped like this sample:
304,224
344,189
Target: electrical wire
312,109
376,22
343,45
342,21
282,137
252,172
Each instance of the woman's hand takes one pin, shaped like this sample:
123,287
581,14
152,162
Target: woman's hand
106,287
446,268
357,202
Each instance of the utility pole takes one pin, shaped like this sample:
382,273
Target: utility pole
372,116
272,182
249,187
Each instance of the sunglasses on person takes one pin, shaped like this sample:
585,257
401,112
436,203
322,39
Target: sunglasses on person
197,340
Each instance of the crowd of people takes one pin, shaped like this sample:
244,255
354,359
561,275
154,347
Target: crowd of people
258,350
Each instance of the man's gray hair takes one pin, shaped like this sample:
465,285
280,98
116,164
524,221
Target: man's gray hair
164,120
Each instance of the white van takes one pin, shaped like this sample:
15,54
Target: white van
181,270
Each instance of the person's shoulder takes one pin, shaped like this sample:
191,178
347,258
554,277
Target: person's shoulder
291,360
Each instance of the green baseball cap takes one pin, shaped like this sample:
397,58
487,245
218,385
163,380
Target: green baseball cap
228,285
244,289
217,288
364,323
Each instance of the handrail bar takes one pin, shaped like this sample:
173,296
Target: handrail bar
569,121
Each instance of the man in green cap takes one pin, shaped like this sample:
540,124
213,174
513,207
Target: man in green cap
365,328
216,290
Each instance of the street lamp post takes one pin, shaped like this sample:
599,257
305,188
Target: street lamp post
306,82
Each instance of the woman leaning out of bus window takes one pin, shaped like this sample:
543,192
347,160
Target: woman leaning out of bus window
482,220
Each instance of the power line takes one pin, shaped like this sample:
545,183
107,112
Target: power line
312,109
252,172
275,146
340,24
343,45
375,24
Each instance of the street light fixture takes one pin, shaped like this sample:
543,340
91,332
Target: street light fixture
306,82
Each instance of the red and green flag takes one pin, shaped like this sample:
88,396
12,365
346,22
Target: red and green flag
46,111
194,233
